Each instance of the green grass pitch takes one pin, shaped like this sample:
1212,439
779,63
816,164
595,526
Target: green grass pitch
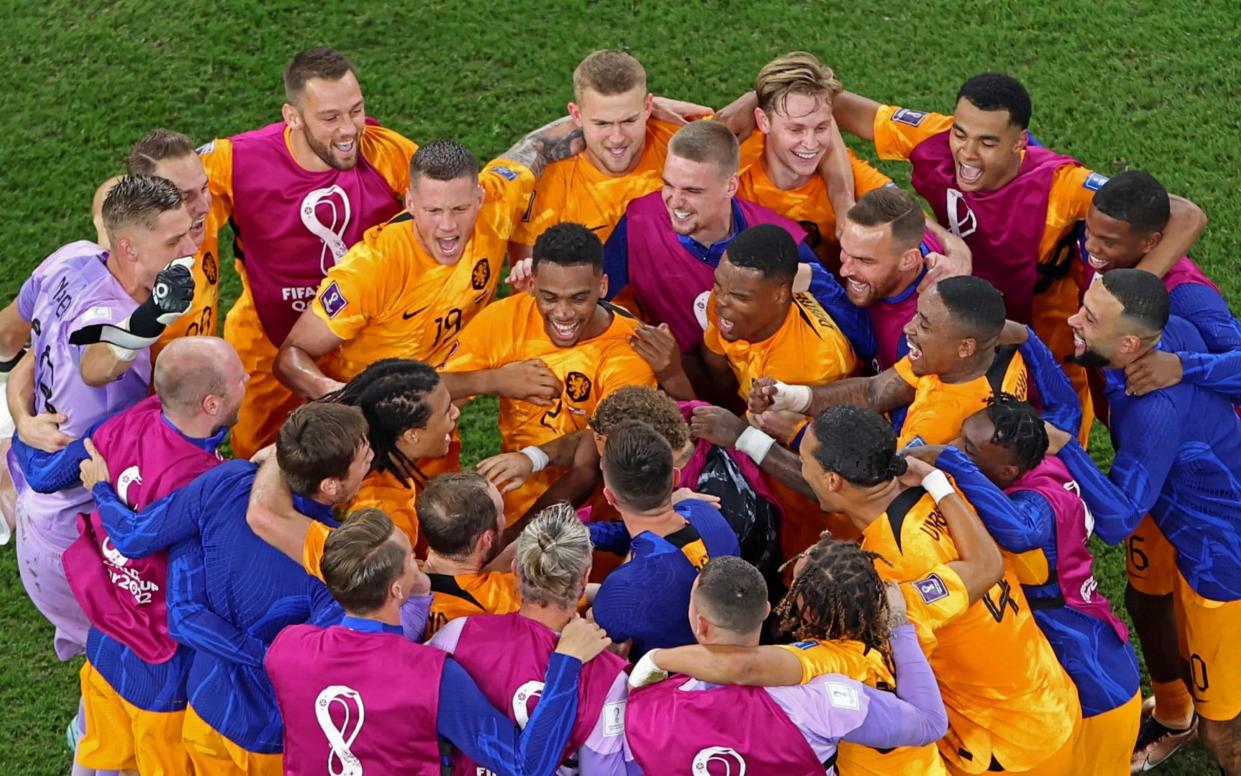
1140,84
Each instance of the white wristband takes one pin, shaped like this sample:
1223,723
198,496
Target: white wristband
795,398
936,483
755,444
537,457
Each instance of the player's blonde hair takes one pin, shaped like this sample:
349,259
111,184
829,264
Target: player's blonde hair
553,553
798,72
707,141
608,72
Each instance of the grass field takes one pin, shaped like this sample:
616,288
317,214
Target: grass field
1140,84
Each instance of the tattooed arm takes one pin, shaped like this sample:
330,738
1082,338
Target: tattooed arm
884,392
550,143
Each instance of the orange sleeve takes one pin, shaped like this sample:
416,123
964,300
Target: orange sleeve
752,149
217,159
815,658
541,211
906,371
933,601
621,369
660,133
509,188
382,492
389,152
312,548
481,342
1072,190
898,131
865,177
351,295
1017,378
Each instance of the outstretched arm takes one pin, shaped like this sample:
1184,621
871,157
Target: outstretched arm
884,392
309,340
550,143
855,114
915,715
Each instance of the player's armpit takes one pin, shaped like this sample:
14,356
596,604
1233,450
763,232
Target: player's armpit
295,364
764,666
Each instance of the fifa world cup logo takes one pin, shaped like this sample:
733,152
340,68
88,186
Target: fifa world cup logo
341,761
325,214
961,220
733,764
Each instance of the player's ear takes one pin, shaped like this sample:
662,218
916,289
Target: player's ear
603,285
575,113
1148,243
761,120
648,103
734,181
291,116
409,199
609,496
910,259
967,347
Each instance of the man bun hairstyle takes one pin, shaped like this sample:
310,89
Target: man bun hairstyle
553,553
766,248
1136,198
998,91
858,444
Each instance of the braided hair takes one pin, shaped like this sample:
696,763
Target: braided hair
1019,429
837,595
858,444
392,394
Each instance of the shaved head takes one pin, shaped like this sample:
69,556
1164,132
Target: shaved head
189,369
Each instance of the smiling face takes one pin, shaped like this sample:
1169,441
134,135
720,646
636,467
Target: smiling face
567,296
748,306
188,175
994,461
935,344
1114,244
871,266
698,196
986,147
444,214
798,134
614,127
433,439
1097,339
330,118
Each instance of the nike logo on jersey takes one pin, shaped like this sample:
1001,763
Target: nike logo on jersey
407,316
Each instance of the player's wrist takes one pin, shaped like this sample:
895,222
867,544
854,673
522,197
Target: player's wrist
538,459
795,398
937,485
755,444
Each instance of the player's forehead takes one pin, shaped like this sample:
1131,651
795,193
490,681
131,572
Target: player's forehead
976,122
185,172
611,107
1099,302
321,95
431,191
734,276
869,242
803,108
1101,224
687,173
565,279
978,429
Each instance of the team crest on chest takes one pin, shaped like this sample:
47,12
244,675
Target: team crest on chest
211,269
577,386
961,220
480,275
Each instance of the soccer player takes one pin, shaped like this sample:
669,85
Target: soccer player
1019,714
1042,522
837,612
358,695
1014,202
170,155
668,244
623,158
92,315
1178,458
688,725
1126,220
298,194
410,420
134,677
463,521
440,262
644,599
550,355
552,563
230,592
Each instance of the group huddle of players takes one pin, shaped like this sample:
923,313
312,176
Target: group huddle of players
792,475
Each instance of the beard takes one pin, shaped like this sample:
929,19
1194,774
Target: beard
324,152
1091,359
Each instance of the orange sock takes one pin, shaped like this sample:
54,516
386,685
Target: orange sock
1173,705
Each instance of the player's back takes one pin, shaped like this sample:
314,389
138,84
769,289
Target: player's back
466,595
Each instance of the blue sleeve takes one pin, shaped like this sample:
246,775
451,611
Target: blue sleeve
619,606
1061,406
325,610
491,739
611,536
1218,372
50,472
852,320
190,619
1014,528
1115,516
1208,312
160,525
616,258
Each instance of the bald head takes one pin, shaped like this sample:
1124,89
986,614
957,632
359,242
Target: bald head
189,369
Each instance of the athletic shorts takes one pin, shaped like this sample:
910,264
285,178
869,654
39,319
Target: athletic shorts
214,755
1106,744
1209,634
1150,560
121,736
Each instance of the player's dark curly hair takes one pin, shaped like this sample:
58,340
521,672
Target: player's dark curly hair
767,248
1136,198
858,444
568,244
392,394
1019,429
837,595
999,91
642,402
